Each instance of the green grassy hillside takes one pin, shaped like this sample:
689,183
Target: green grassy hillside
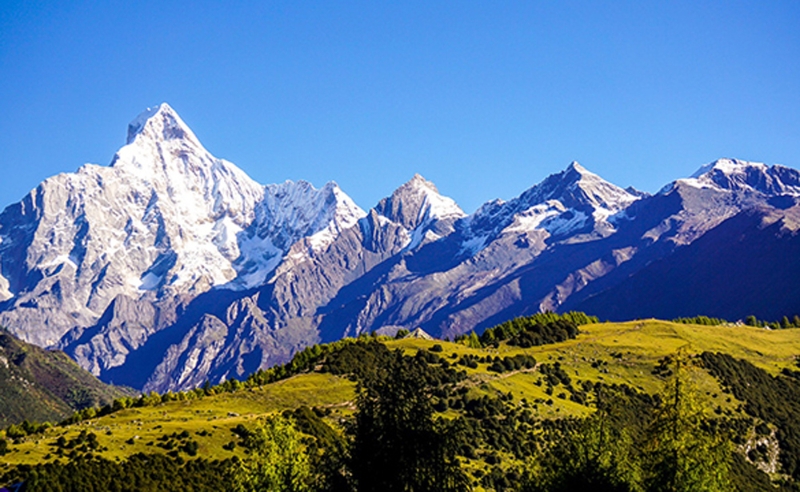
40,385
558,386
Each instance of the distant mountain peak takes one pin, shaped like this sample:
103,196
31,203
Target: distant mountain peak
577,187
563,203
418,182
728,166
416,202
576,167
166,219
159,122
736,174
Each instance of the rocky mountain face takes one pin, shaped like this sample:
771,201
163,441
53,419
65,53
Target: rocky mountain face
171,267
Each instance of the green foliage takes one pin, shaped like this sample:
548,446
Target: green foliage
594,455
15,431
539,329
397,445
277,462
140,472
774,399
541,334
514,363
702,320
471,340
630,444
682,453
784,323
327,449
41,385
495,420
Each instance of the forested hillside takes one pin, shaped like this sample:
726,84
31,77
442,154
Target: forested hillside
40,385
538,404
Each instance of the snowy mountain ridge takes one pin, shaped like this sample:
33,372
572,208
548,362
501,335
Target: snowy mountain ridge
739,175
171,267
165,219
564,203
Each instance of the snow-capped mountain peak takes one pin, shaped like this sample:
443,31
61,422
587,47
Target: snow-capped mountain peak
161,123
562,204
579,189
575,166
740,175
416,203
165,219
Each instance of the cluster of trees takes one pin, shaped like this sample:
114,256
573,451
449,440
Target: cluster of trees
396,442
635,443
751,320
701,320
139,472
529,331
304,360
773,399
26,428
393,443
539,329
775,325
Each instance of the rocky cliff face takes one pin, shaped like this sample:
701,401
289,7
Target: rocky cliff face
170,266
119,249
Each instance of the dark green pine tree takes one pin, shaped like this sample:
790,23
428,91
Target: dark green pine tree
397,445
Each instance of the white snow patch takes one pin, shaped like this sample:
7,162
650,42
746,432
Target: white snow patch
728,166
434,205
474,244
149,281
564,225
532,218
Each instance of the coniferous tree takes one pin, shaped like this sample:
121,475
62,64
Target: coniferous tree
682,454
593,456
396,443
278,461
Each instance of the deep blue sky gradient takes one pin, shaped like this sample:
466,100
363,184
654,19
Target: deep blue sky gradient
483,98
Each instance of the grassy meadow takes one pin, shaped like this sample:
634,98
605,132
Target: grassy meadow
612,353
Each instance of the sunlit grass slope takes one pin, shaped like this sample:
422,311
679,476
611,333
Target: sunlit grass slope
613,353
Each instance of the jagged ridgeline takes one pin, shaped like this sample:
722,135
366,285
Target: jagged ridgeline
170,266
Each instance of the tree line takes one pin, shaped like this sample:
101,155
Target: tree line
396,441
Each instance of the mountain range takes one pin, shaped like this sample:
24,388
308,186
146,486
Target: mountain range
170,267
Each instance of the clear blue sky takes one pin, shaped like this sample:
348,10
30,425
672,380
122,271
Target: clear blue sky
483,98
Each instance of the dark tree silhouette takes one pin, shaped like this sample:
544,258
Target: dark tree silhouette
397,445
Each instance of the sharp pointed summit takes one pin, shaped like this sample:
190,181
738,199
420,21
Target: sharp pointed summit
572,200
166,219
159,122
417,202
576,187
